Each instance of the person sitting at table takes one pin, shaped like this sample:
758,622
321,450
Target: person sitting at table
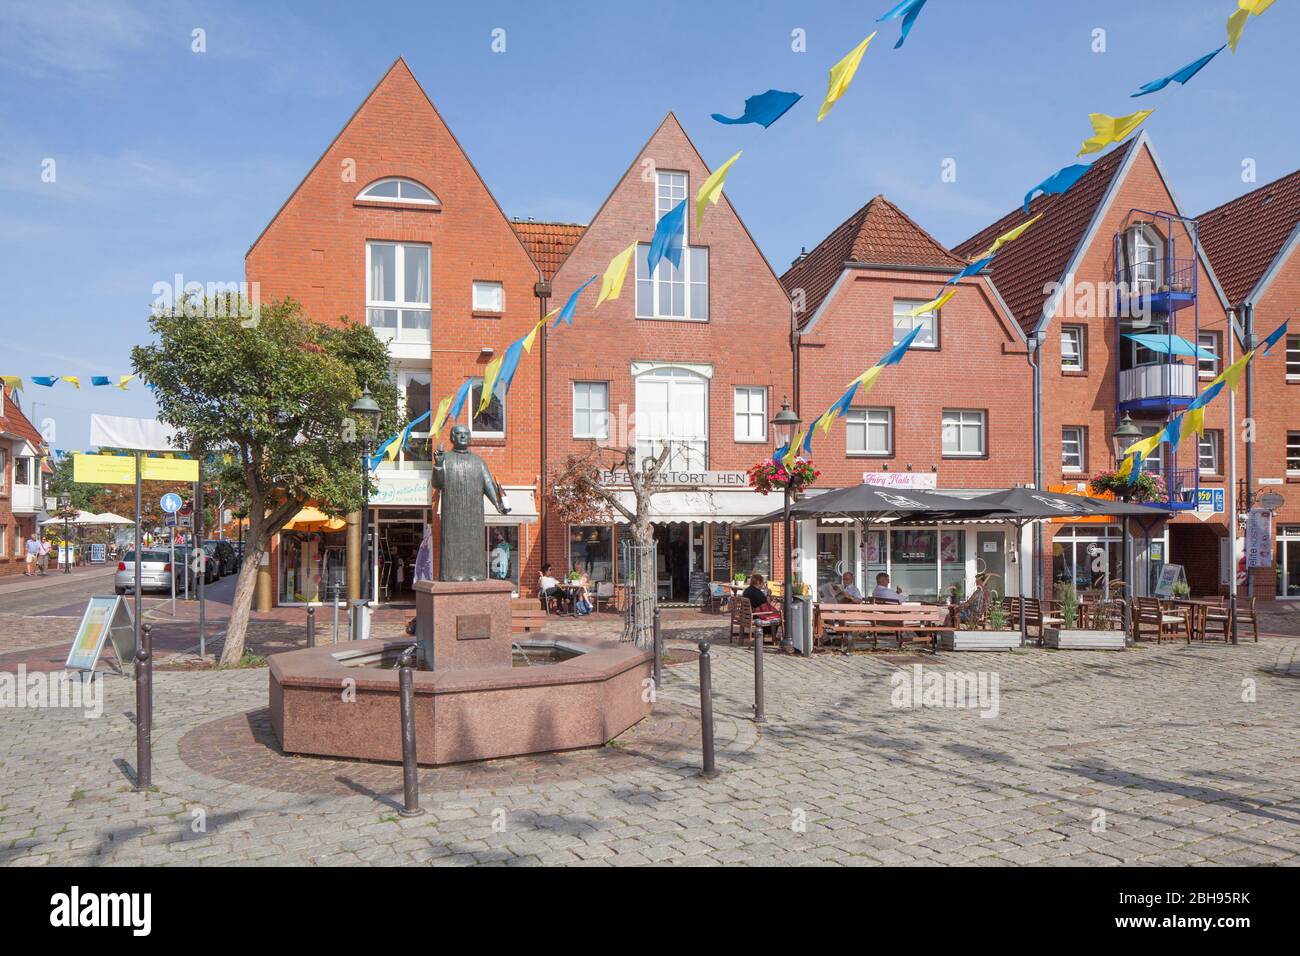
548,588
884,592
848,589
971,610
758,599
578,584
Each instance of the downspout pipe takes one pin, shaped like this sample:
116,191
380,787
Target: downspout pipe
1034,357
1248,323
542,290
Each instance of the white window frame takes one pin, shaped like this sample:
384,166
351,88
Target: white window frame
579,387
1210,342
483,283
1209,439
693,257
1293,358
961,422
901,308
399,199
31,471
1293,453
472,401
4,540
1143,279
652,433
400,305
864,418
1078,441
1074,333
743,420
401,378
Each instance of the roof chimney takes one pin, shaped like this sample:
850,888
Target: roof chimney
803,254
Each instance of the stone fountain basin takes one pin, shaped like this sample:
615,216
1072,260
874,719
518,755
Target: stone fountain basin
334,701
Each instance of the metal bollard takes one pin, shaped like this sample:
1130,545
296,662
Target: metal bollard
658,652
760,714
1232,615
410,778
144,711
311,626
706,708
336,620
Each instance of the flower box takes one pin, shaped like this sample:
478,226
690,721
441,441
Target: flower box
979,640
1082,639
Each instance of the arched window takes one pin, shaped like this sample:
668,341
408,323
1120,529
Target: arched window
399,190
1144,248
672,408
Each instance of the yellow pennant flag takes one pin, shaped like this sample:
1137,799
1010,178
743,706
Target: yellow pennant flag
1236,23
841,76
490,382
933,305
73,380
1011,236
123,381
1111,129
1231,375
710,192
793,451
532,336
13,382
1193,423
868,378
611,283
1254,6
1126,467
440,417
1144,447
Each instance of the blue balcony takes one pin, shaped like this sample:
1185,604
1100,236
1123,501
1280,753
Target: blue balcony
1156,286
1158,388
1183,485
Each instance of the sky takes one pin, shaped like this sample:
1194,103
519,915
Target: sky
170,161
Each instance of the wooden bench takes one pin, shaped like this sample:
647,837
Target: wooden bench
526,615
1038,617
847,621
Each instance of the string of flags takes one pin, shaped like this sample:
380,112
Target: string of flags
15,382
1191,421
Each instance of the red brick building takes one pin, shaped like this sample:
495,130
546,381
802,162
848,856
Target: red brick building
394,226
952,416
21,451
698,358
1253,242
1115,256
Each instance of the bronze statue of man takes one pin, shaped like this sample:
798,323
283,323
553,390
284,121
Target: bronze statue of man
464,480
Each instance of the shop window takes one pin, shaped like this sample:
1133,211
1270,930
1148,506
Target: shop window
751,551
503,553
912,557
592,547
312,566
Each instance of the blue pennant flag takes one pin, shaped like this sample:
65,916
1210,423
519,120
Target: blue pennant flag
1207,396
765,108
459,401
571,306
970,270
378,456
667,241
1173,431
895,355
406,432
909,10
1178,76
100,380
1274,336
46,380
1059,182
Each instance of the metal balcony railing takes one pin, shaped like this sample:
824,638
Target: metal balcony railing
1164,380
1156,276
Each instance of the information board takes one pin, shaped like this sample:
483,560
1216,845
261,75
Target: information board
107,618
1170,575
722,554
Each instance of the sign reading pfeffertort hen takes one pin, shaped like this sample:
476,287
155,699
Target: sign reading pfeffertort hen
685,479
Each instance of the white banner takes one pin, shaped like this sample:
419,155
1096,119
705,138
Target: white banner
132,434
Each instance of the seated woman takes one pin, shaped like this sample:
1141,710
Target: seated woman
582,598
760,601
971,610
548,588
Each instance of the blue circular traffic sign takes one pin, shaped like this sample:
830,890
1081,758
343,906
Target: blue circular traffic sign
171,503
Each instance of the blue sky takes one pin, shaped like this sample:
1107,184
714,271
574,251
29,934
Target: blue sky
172,161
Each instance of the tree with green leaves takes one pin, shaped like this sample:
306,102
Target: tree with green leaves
274,394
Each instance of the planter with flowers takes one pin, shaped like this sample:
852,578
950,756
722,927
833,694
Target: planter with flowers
769,475
1147,487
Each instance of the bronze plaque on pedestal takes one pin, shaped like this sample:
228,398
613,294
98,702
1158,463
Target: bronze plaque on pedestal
473,627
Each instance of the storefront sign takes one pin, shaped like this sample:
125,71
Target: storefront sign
1259,539
922,480
120,469
684,479
401,488
1209,502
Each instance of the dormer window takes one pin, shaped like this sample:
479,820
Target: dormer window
1142,246
398,190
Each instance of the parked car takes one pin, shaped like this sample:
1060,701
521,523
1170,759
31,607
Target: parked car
184,564
228,560
155,572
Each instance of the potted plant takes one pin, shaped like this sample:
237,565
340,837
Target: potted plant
1182,590
999,634
769,475
1146,487
1067,635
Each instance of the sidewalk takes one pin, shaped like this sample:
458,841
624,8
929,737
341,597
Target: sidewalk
16,583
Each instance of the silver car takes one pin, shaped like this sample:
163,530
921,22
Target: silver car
155,572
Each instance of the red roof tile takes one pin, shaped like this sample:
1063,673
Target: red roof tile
1244,236
1041,255
549,243
877,234
13,420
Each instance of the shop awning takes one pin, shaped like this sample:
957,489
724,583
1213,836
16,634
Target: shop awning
522,504
668,507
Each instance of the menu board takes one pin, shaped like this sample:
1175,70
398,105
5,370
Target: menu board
107,618
722,553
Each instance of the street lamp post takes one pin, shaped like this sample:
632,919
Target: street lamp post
784,428
367,410
65,506
1125,434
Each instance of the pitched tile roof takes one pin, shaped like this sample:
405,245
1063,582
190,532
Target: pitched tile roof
549,243
1041,255
1244,236
879,234
13,420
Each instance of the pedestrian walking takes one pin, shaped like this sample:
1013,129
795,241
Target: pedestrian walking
43,556
33,551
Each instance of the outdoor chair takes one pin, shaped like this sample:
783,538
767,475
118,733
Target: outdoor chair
1246,615
1150,617
1217,619
1038,618
718,597
745,626
604,592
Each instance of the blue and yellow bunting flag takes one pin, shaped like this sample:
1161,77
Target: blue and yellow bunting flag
98,380
73,380
895,355
1059,182
934,305
764,109
46,380
1181,75
1193,423
668,239
841,76
711,191
970,270
1237,22
1107,129
1274,337
571,306
611,283
909,10
1010,235
1207,396
12,382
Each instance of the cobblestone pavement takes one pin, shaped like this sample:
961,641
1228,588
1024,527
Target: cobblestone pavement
1156,755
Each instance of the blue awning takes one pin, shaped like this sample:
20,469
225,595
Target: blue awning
1170,345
